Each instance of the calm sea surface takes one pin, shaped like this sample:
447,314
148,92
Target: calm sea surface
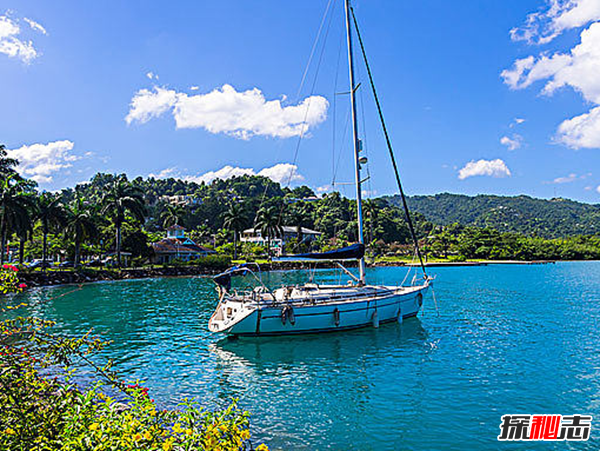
508,339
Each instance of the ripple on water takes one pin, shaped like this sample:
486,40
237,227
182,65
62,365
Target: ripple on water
507,339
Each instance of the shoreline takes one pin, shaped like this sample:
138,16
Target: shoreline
70,277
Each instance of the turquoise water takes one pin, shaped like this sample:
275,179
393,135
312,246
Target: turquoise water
508,339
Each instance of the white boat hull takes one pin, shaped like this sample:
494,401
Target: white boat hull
369,308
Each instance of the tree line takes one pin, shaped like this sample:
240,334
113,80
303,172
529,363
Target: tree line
112,214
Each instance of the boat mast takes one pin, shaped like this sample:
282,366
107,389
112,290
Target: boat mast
361,262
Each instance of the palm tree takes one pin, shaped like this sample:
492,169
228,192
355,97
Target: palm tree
171,215
121,197
234,220
24,228
15,204
267,221
51,213
7,164
81,224
200,234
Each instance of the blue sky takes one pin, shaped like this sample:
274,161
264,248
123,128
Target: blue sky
188,88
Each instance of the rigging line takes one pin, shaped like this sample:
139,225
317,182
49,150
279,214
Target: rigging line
312,52
306,68
312,90
337,164
335,85
389,146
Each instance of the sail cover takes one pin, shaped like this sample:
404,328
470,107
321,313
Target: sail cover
354,251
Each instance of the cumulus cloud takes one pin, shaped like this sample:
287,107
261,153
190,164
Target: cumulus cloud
598,189
11,42
281,173
41,161
146,104
561,15
512,143
166,173
578,68
224,110
226,172
491,168
581,131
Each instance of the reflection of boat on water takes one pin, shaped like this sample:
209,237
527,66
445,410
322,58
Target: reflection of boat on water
314,308
248,354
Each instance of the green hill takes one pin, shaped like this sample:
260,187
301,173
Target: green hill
553,218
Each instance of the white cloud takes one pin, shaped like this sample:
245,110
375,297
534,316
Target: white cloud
324,189
41,161
146,104
226,172
512,143
567,179
35,26
516,121
283,173
10,42
492,168
598,189
581,131
152,76
166,173
194,88
225,110
578,68
561,15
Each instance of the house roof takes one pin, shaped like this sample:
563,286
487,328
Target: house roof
291,229
178,246
175,227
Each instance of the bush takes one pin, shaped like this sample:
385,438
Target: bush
39,412
9,281
212,261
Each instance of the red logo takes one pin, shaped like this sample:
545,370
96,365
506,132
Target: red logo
545,427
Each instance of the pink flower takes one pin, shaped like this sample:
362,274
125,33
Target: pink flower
22,285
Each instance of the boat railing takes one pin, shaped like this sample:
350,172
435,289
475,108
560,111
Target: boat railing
309,297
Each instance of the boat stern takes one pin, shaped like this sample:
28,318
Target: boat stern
228,314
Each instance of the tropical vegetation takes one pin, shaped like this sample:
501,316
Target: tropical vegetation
100,220
49,401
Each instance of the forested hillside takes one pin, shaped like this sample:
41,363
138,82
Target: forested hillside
555,218
111,213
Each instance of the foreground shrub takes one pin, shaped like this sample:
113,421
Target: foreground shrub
9,281
42,408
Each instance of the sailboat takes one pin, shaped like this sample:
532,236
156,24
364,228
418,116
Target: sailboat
315,308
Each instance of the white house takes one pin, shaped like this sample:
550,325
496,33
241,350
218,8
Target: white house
289,232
